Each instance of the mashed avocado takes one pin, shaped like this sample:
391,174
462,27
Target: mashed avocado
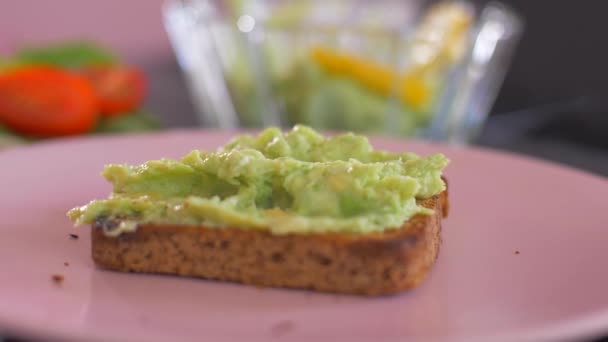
297,182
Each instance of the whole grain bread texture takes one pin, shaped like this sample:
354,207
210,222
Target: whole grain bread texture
361,264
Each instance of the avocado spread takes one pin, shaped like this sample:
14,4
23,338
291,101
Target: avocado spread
298,182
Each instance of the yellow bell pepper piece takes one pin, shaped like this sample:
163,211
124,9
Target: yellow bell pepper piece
411,89
442,37
415,92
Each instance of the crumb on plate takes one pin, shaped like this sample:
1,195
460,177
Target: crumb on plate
282,327
57,278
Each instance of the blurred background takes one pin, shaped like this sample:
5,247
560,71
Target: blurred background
552,103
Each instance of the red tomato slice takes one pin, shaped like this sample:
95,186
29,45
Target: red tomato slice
46,101
120,89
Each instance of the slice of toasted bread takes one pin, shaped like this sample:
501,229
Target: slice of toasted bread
369,264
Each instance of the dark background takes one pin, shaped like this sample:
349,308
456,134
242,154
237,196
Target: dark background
554,102
562,55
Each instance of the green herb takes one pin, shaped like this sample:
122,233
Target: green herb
137,122
67,55
8,139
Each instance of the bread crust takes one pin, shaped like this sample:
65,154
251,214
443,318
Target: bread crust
363,264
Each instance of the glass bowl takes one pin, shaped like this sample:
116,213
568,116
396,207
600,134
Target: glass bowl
419,69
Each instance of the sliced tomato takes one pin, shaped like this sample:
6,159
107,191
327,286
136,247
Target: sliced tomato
46,101
120,89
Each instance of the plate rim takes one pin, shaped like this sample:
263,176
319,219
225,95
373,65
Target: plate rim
486,150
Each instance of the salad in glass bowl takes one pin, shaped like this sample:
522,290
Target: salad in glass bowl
407,68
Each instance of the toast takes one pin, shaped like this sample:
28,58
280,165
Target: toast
362,264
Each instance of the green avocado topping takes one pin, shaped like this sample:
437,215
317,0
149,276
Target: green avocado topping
299,182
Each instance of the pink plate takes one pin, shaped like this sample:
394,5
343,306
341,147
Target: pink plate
523,259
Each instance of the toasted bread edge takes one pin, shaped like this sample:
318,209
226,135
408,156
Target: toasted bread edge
371,264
